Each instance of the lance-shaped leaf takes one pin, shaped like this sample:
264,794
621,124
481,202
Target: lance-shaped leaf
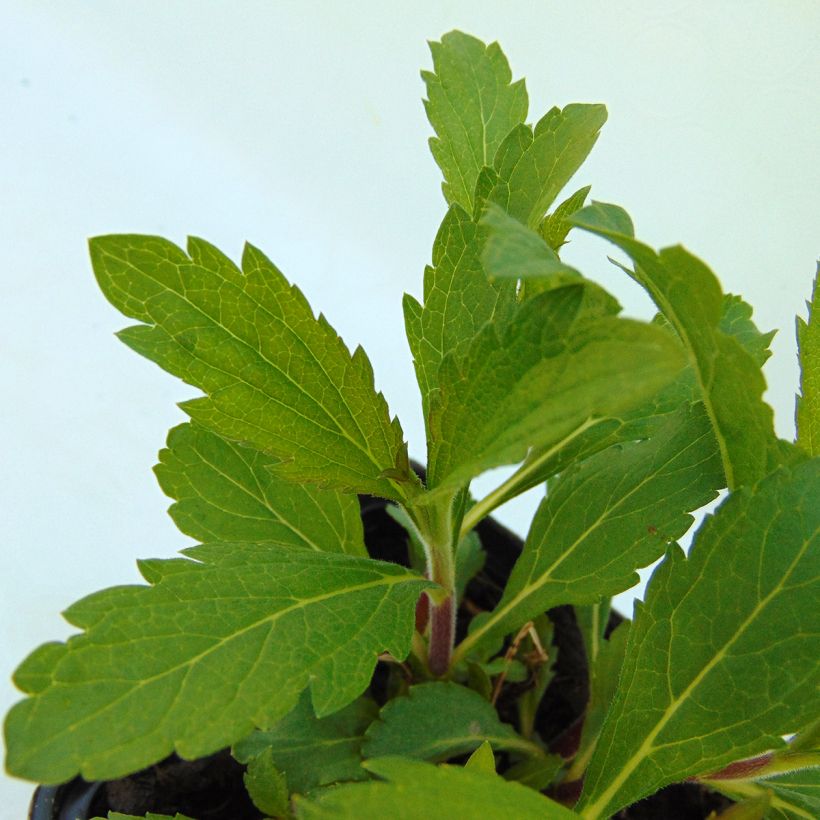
794,796
689,296
555,226
533,165
235,635
314,751
437,721
808,403
538,379
721,660
472,105
458,300
275,376
414,789
227,492
513,251
605,518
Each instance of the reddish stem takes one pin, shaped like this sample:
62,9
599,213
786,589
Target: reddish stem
442,631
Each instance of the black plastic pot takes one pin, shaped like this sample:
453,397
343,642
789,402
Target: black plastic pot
557,721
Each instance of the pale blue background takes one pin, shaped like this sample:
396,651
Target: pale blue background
299,126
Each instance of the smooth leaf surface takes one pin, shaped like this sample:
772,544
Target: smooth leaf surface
721,660
472,105
458,300
808,403
689,296
226,492
314,751
533,165
513,251
605,518
415,789
275,376
437,721
482,759
537,380
267,786
235,635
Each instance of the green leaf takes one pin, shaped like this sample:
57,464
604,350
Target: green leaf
643,421
458,300
730,381
513,251
794,796
736,321
808,403
439,720
275,377
606,517
314,751
533,165
213,636
227,492
604,673
470,557
537,380
267,786
535,772
482,759
721,660
415,789
556,226
472,105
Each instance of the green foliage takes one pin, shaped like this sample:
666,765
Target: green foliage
226,492
721,661
275,377
341,679
214,636
267,786
437,721
808,405
313,751
689,297
472,105
413,789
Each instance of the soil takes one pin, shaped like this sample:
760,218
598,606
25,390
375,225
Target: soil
212,788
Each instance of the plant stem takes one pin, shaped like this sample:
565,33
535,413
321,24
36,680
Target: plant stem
434,524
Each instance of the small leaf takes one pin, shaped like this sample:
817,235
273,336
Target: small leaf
513,251
439,720
421,790
236,635
533,165
808,403
606,517
721,660
482,759
274,376
536,380
314,751
556,225
267,786
730,381
472,105
227,492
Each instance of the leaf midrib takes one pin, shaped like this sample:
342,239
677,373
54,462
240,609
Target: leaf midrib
647,747
387,581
